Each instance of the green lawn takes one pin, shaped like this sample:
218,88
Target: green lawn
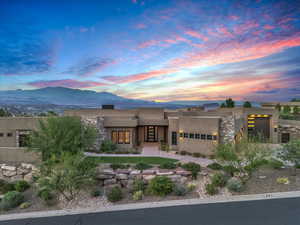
132,160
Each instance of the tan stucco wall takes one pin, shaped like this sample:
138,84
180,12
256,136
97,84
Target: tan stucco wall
17,155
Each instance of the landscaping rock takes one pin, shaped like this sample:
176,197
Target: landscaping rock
262,177
108,172
183,172
203,173
148,177
124,183
104,176
28,177
110,182
164,173
175,178
17,177
149,172
122,176
135,172
22,171
9,173
124,171
9,168
183,180
27,166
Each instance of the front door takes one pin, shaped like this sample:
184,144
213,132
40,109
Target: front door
150,134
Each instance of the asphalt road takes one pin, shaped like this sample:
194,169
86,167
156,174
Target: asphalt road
262,212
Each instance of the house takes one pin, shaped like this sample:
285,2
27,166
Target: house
196,130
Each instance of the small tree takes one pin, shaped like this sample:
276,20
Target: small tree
291,152
278,107
286,109
4,113
229,103
296,110
57,135
68,175
247,104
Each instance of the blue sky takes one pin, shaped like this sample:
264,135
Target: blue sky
158,50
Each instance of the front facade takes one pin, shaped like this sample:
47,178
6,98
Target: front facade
194,130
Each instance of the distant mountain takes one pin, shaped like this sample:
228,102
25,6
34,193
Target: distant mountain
61,96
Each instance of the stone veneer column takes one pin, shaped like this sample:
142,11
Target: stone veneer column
227,129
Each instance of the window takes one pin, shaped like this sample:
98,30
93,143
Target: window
114,137
181,134
203,136
192,135
214,137
174,138
127,137
1,134
9,134
185,135
285,137
121,137
197,136
23,140
209,137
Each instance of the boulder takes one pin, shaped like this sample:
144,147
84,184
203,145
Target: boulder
183,180
164,173
22,171
9,173
183,172
104,176
135,172
108,172
148,177
27,166
124,183
110,182
175,178
9,168
123,171
28,177
122,176
149,172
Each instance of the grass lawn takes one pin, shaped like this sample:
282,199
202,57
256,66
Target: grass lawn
132,160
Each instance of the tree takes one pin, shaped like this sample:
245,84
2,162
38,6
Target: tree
58,135
67,176
247,104
296,110
229,103
278,107
291,152
286,109
295,100
4,113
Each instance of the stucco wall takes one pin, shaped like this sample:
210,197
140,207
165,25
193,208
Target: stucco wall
17,155
289,126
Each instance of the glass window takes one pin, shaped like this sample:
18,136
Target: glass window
185,135
114,137
192,135
127,137
23,140
121,137
209,137
9,134
215,137
203,136
181,134
1,134
174,138
197,136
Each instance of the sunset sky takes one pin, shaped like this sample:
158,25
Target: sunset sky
158,50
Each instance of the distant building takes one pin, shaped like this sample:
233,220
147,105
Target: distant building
281,105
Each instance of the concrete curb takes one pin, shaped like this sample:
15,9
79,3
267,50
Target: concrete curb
133,206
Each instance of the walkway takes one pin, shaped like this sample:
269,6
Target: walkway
153,151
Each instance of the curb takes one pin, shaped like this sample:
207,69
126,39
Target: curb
135,206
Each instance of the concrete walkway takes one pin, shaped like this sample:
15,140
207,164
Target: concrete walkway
153,151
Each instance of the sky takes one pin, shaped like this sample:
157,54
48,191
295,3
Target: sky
159,50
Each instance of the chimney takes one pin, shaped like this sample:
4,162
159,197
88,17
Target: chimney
108,107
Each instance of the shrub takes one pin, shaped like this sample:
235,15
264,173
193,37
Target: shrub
191,186
168,165
25,205
234,184
194,168
138,195
116,166
138,185
108,146
164,147
142,166
229,169
161,186
211,189
115,194
198,155
180,190
276,164
6,187
282,180
219,180
96,193
22,185
11,200
46,195
183,152
215,166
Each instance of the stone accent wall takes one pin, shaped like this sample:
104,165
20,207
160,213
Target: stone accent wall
291,127
227,129
24,171
98,123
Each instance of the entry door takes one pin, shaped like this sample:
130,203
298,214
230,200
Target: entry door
150,134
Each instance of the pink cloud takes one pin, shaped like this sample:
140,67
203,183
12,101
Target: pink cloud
147,44
140,26
70,83
223,30
233,17
196,35
269,27
245,27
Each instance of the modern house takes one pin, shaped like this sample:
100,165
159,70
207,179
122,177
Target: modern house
193,129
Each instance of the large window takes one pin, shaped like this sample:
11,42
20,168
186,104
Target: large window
120,137
174,138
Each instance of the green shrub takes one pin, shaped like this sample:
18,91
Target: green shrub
198,155
256,164
168,165
211,189
115,194
96,193
180,190
276,164
6,187
234,184
183,152
108,146
142,166
215,166
22,185
161,186
282,180
219,180
46,195
25,205
138,195
116,166
11,200
138,185
229,169
191,186
194,168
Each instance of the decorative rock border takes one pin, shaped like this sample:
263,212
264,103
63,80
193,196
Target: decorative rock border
24,171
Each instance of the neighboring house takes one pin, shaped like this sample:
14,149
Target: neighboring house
195,130
281,105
